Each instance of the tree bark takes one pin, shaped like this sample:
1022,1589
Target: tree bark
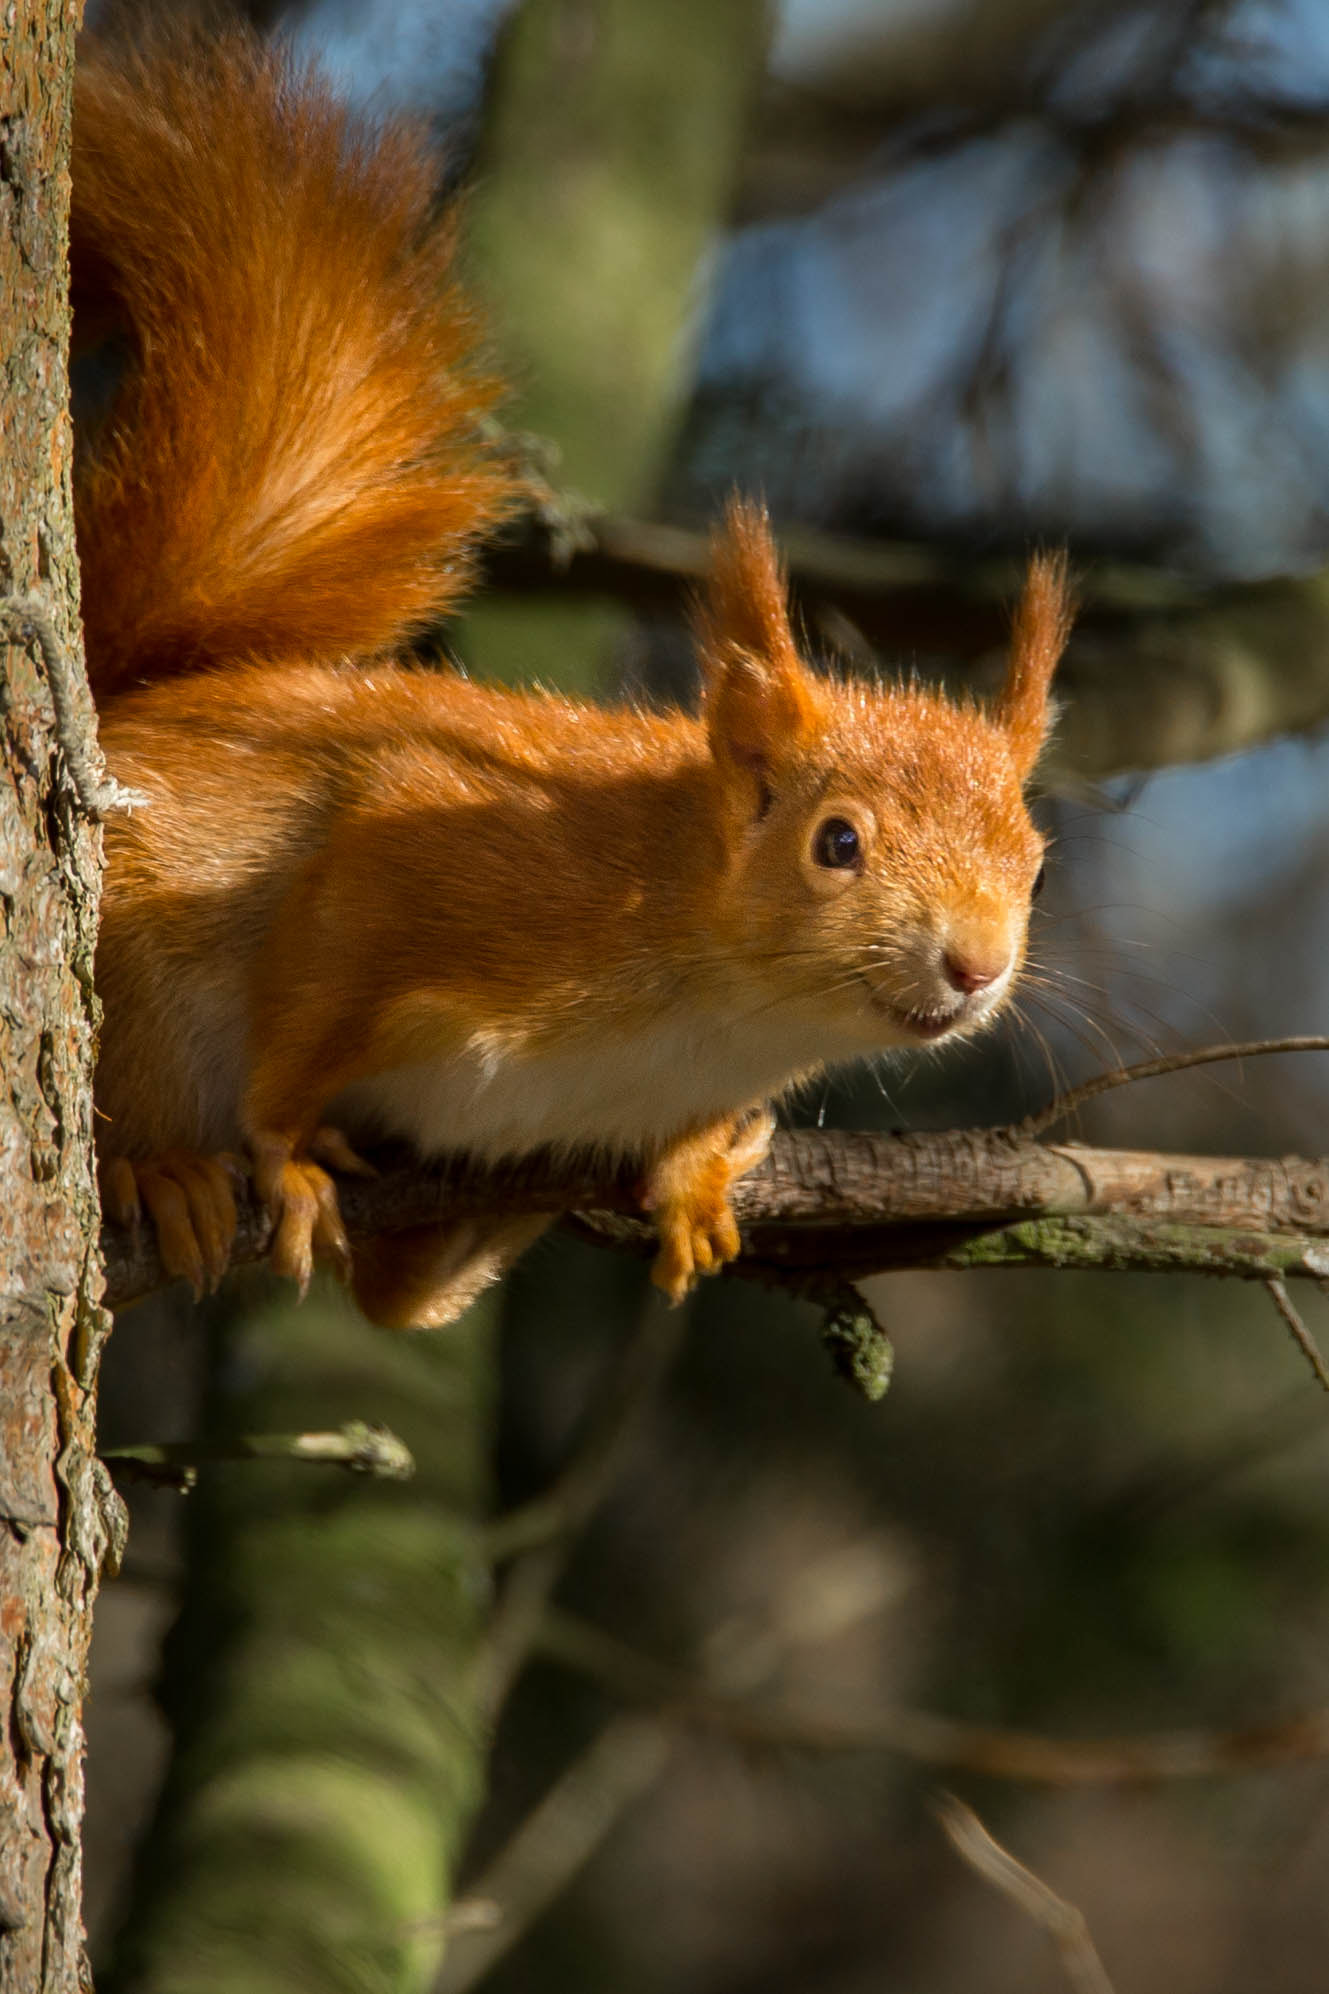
57,1511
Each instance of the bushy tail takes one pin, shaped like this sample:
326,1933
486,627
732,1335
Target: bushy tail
293,461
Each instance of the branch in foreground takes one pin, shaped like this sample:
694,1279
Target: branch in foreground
848,1206
357,1446
1064,1923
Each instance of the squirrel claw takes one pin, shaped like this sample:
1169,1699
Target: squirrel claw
692,1243
688,1190
119,1192
191,1204
301,1201
329,1147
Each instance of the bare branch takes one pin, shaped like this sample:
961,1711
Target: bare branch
543,1530
1151,1069
634,1379
1301,1334
849,1205
944,1743
1063,1922
557,1839
363,1449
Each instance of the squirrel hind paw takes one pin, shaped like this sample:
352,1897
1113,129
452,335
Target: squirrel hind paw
191,1203
301,1202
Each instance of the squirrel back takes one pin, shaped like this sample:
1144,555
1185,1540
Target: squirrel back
293,463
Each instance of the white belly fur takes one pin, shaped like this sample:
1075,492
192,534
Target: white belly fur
618,1094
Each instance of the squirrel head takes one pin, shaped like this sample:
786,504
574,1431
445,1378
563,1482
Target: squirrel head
882,860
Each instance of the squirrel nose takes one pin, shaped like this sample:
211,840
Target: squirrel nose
970,973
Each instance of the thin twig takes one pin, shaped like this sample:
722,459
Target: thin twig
543,1530
1063,1922
557,1839
357,1446
469,1914
1292,1316
515,1627
1150,1069
574,1494
472,1914
944,1743
539,1862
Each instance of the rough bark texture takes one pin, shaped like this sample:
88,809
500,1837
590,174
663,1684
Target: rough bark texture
55,1504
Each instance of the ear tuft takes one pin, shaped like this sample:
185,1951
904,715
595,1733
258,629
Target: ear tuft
761,700
1039,632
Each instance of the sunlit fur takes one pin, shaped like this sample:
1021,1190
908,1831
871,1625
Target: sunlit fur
295,441
409,905
1038,638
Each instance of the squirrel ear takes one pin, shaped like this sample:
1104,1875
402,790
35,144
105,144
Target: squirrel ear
761,700
1039,632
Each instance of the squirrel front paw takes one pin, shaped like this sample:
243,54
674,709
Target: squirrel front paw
301,1201
688,1192
191,1201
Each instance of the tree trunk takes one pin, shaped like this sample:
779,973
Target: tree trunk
55,1505
608,163
322,1679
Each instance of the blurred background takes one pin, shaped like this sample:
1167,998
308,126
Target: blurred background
944,279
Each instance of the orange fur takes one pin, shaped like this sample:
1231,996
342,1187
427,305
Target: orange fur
760,701
377,902
293,466
1039,632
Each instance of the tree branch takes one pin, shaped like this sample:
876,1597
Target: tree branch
925,1737
356,1445
1301,1335
1211,671
1064,1923
1152,1069
850,1205
540,1535
558,1838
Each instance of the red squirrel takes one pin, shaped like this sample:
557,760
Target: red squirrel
366,900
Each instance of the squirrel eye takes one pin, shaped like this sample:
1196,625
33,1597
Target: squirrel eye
836,844
1039,879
